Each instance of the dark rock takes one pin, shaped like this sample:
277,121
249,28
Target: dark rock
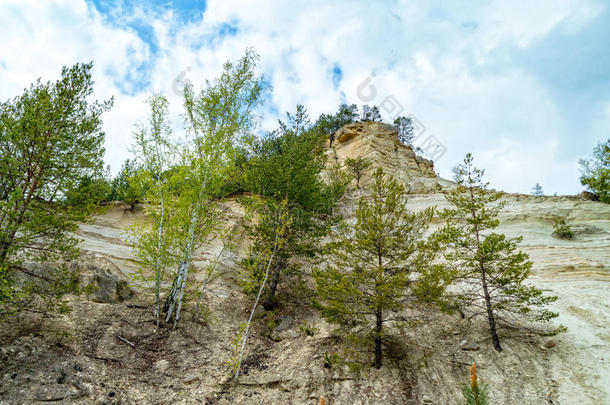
62,377
588,196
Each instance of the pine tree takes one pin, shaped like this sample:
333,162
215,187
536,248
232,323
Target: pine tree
595,173
475,393
537,190
371,114
287,165
487,264
375,266
404,126
124,185
357,167
51,144
330,123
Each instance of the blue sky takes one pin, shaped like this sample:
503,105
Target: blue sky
524,86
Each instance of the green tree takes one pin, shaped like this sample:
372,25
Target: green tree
124,185
562,229
375,266
371,114
261,264
537,190
90,191
357,167
488,264
595,173
218,118
475,393
155,183
51,139
404,126
288,165
330,123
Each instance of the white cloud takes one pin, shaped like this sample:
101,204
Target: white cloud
437,63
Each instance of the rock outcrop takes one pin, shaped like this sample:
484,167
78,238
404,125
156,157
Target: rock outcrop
379,143
102,279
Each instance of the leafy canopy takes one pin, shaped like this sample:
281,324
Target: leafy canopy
51,139
595,172
288,165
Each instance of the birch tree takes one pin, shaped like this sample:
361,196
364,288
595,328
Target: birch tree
217,119
155,153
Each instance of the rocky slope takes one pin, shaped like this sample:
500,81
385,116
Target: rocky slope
80,359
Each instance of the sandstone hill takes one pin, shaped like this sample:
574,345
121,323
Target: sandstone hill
81,360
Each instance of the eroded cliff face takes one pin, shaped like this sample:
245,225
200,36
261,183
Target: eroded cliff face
285,364
379,143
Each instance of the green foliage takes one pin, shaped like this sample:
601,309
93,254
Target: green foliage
357,167
561,229
374,265
125,185
332,359
328,124
234,360
595,172
155,246
183,181
266,216
404,126
537,190
488,265
337,180
370,114
287,165
308,329
50,140
90,191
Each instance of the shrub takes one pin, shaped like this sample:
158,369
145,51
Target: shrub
562,230
475,393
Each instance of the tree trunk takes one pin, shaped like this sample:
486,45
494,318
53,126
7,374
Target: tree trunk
172,298
270,302
183,272
158,261
3,251
490,314
378,329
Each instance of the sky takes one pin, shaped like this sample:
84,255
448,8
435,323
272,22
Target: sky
523,85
